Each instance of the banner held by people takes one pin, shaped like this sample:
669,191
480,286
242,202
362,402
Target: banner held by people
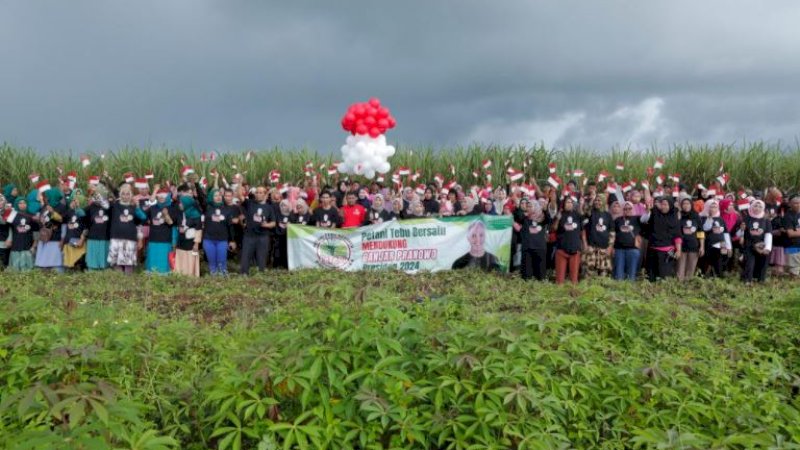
430,244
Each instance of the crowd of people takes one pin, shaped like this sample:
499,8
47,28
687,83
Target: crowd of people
563,232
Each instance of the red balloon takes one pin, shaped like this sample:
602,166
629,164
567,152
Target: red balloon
383,123
374,132
371,111
383,112
361,129
369,121
360,111
374,102
350,117
392,122
382,130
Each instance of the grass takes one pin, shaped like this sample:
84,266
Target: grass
314,359
757,165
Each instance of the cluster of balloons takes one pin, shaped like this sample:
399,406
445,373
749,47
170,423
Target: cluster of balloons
365,152
366,156
368,118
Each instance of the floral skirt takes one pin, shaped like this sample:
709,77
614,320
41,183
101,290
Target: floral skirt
596,261
122,252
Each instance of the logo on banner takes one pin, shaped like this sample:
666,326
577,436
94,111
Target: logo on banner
333,251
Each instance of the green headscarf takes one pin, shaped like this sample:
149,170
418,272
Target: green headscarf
33,202
189,207
7,190
18,201
53,197
211,201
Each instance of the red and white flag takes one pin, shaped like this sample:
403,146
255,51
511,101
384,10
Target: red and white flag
742,204
620,166
34,177
452,170
416,175
186,170
645,184
403,171
486,163
611,188
438,179
723,179
72,176
420,190
129,177
140,183
675,177
94,180
488,176
43,186
554,180
602,176
514,174
660,179
380,178
332,170
9,215
274,176
551,167
626,187
578,173
659,163
85,161
149,175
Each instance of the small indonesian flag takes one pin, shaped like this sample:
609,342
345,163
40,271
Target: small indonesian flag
149,175
723,179
675,177
578,173
660,179
526,190
43,186
141,183
332,169
568,193
551,167
283,188
186,170
308,172
85,161
438,178
514,174
129,177
742,194
94,180
554,180
420,190
488,176
659,163
203,182
416,175
486,163
659,192
611,188
380,178
396,178
274,176
34,177
452,170
627,186
72,176
9,215
602,176
742,204
675,191
620,166
404,171
645,184
701,187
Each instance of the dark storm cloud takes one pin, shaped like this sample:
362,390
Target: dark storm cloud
233,75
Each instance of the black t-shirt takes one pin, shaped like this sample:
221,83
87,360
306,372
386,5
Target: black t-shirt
49,220
375,217
663,228
217,224
568,234
431,206
791,221
690,226
717,232
75,225
625,231
326,218
282,224
5,229
23,227
123,222
300,219
487,262
255,215
186,231
598,229
160,230
533,235
99,222
755,230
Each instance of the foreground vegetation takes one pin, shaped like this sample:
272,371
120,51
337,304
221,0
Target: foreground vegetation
456,360
755,165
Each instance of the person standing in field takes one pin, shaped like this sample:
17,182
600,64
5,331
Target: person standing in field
598,238
627,244
22,241
353,214
218,234
326,215
718,247
692,240
190,235
76,225
662,226
568,241
51,233
259,220
756,234
533,237
125,238
161,216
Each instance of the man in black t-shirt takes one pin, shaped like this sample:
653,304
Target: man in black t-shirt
259,220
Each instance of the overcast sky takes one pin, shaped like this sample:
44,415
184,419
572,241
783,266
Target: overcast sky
233,75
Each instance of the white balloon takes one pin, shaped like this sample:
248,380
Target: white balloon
384,167
369,173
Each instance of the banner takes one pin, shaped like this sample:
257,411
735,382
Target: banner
410,245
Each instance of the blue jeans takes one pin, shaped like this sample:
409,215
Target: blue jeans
626,263
217,254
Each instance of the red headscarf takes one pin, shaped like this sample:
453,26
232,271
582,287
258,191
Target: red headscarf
730,218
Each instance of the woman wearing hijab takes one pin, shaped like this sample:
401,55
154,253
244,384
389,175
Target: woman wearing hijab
598,240
98,223
300,216
161,215
733,221
533,237
190,235
77,230
430,203
22,242
10,192
568,242
627,244
775,210
693,237
756,234
218,234
663,229
51,234
125,238
377,214
416,210
717,243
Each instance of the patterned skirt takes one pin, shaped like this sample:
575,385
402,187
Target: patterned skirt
596,261
187,263
122,252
